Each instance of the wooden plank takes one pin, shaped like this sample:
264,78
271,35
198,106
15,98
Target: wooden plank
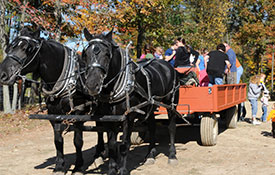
78,118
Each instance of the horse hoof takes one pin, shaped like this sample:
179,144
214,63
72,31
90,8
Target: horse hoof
97,162
149,161
172,161
77,173
58,173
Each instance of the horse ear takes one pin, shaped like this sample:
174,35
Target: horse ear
109,36
36,34
24,31
87,34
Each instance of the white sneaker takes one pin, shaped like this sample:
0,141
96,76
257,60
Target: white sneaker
255,122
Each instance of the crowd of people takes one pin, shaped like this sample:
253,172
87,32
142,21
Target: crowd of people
217,67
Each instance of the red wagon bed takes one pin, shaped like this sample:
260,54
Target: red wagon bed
208,99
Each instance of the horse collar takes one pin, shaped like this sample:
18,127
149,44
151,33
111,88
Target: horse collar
124,81
66,83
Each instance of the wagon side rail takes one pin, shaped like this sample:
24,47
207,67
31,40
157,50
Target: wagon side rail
208,99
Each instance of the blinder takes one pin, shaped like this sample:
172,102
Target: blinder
30,49
16,58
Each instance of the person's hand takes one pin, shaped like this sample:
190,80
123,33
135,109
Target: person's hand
174,52
226,71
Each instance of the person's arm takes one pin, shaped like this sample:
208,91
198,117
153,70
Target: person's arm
266,101
255,88
169,57
227,70
197,64
205,58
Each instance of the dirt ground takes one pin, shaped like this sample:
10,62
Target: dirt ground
245,150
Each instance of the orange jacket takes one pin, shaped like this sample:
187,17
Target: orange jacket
271,115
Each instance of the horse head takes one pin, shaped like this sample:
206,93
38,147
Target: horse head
20,54
98,57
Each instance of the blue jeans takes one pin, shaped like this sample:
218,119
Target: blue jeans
264,109
239,73
254,106
214,80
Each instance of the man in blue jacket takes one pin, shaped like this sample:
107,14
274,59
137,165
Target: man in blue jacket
232,75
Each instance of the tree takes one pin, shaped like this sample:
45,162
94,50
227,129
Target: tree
145,21
207,22
253,29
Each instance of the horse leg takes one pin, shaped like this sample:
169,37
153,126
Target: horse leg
150,158
100,149
78,143
125,146
112,146
172,159
59,143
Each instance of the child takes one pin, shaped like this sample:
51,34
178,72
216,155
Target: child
254,91
272,116
264,101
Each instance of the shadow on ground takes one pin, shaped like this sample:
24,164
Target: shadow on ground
136,156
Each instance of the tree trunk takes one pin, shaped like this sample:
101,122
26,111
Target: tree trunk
6,100
15,97
3,41
58,20
140,39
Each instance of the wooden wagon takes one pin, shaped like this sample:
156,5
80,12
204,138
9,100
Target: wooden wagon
204,103
197,105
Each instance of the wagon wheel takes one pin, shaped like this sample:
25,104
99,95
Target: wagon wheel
231,117
209,131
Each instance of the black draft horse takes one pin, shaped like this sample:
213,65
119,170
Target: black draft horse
55,64
130,89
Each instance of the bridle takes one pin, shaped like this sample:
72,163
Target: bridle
120,79
32,51
96,51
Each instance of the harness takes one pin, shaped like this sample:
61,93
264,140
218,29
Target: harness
151,99
125,84
66,83
65,86
124,77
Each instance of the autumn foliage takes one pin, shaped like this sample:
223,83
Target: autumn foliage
247,25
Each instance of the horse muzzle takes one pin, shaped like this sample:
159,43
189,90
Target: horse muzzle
94,86
5,79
